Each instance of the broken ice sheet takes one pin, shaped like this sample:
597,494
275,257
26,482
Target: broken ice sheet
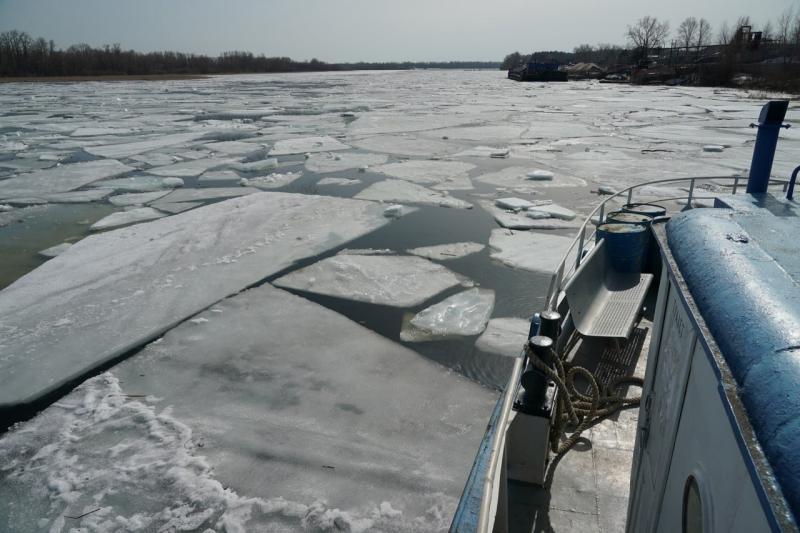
338,181
122,288
136,198
123,218
307,144
425,172
411,193
272,181
178,207
406,145
516,178
53,251
504,336
443,252
61,178
190,428
134,184
528,250
327,162
189,168
462,314
397,281
234,147
206,193
118,151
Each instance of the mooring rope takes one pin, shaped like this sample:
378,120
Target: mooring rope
579,410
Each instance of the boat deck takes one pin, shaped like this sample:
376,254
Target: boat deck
589,491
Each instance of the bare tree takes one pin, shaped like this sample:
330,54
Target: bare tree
724,36
784,26
647,33
768,31
703,33
687,32
583,52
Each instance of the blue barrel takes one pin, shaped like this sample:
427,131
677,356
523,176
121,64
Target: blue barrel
626,245
623,217
650,210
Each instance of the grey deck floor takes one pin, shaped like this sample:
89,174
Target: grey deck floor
590,487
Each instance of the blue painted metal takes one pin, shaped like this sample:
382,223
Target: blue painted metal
626,245
790,190
741,278
465,519
769,124
624,217
650,210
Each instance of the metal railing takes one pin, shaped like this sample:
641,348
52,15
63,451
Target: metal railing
562,274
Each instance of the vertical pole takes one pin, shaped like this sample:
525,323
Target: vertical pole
630,195
735,184
691,190
769,124
580,248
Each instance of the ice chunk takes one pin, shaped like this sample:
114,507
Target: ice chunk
118,151
553,211
525,220
713,148
307,144
256,166
397,281
528,250
5,208
504,336
502,153
53,251
443,252
95,132
188,169
463,314
540,175
225,175
126,287
133,184
123,218
335,163
406,145
406,192
178,207
425,172
207,193
393,211
188,429
60,178
156,159
234,147
272,181
172,182
137,198
337,181
514,204
78,197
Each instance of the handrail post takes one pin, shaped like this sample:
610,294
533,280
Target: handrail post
790,190
735,184
691,191
602,213
630,195
580,247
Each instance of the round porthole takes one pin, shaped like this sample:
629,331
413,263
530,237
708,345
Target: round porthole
692,507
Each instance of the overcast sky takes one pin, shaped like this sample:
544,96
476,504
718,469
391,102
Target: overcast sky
361,30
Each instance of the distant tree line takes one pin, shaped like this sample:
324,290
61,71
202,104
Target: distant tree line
21,55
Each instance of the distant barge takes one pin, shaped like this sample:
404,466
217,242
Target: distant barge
537,72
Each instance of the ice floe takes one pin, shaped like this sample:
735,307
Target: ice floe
338,181
177,207
307,144
261,165
325,162
426,172
188,169
462,314
405,145
528,250
271,181
61,178
123,218
406,192
134,184
190,429
234,147
203,194
53,251
137,198
553,211
517,179
397,281
504,336
224,175
122,288
117,151
443,252
513,204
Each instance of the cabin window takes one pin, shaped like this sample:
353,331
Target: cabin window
692,507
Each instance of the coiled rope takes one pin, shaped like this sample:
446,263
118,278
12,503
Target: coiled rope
576,409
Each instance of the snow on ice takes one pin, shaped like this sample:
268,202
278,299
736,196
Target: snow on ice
250,420
411,193
528,250
123,218
61,178
307,144
443,252
326,162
